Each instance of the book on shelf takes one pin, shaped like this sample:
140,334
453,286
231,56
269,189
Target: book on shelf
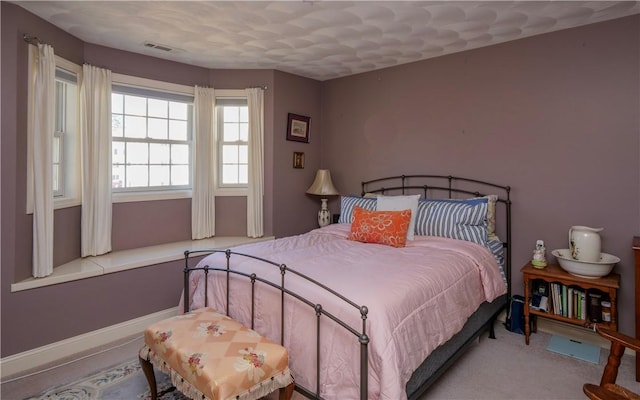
556,290
566,301
563,294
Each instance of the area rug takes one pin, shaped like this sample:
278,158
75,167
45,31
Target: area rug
116,383
574,348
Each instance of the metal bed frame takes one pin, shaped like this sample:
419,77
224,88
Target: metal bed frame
433,184
442,357
451,187
361,334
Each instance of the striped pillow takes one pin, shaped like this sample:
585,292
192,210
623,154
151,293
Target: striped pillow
347,204
455,219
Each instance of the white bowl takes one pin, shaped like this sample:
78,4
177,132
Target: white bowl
585,269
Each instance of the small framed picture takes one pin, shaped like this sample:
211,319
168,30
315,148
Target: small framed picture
298,159
298,128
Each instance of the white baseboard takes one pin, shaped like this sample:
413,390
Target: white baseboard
20,363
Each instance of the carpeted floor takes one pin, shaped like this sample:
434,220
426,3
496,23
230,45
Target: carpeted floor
492,369
119,382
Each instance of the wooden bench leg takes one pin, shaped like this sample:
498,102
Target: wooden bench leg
147,368
287,392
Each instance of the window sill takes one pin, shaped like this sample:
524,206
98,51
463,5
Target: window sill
126,197
117,261
66,202
232,192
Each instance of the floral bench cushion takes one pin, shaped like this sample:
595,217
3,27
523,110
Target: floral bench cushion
209,354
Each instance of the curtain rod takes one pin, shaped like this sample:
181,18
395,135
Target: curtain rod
32,39
36,40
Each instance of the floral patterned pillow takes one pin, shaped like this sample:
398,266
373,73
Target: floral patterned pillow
382,227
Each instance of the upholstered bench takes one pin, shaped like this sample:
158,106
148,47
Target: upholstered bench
210,356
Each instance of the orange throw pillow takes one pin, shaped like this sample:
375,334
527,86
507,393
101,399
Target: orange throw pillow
383,227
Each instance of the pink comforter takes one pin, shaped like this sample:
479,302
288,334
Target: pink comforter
418,297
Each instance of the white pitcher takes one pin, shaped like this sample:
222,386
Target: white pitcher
584,243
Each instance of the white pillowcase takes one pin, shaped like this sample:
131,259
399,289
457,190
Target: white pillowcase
399,203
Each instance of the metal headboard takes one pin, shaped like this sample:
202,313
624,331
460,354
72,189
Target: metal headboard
430,185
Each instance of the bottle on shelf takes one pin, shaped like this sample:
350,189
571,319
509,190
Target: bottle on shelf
606,310
595,309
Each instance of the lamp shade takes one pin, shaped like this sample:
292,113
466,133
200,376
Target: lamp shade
322,185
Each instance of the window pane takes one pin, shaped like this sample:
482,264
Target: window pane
180,154
158,108
158,128
231,132
231,114
137,176
135,105
177,130
117,176
243,174
117,152
180,175
137,153
116,125
159,154
244,132
177,110
243,154
61,106
65,140
135,127
230,154
117,103
152,135
229,174
56,178
233,143
159,175
57,141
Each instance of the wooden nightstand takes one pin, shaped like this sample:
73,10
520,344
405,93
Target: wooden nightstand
581,288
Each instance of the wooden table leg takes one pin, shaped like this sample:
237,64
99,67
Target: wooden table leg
147,368
287,392
527,327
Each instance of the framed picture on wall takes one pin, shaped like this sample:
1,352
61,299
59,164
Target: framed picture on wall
298,128
298,159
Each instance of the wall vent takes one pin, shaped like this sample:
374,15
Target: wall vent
158,46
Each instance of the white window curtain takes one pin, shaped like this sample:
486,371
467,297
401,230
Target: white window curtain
40,128
203,221
95,136
255,102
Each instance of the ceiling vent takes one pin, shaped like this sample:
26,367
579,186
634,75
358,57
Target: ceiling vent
158,46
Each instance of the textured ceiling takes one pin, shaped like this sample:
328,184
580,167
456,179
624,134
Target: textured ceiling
315,39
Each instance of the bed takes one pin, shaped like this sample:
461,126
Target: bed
370,320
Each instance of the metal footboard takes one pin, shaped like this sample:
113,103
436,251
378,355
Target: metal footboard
319,310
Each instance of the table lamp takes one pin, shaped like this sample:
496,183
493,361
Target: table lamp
322,186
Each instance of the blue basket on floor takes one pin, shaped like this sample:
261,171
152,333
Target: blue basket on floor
515,318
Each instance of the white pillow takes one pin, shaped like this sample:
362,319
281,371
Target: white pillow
399,203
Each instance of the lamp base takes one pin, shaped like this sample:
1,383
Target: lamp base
324,216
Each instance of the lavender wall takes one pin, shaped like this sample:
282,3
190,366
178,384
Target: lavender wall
555,116
74,308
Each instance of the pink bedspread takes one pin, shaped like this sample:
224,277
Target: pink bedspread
418,297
